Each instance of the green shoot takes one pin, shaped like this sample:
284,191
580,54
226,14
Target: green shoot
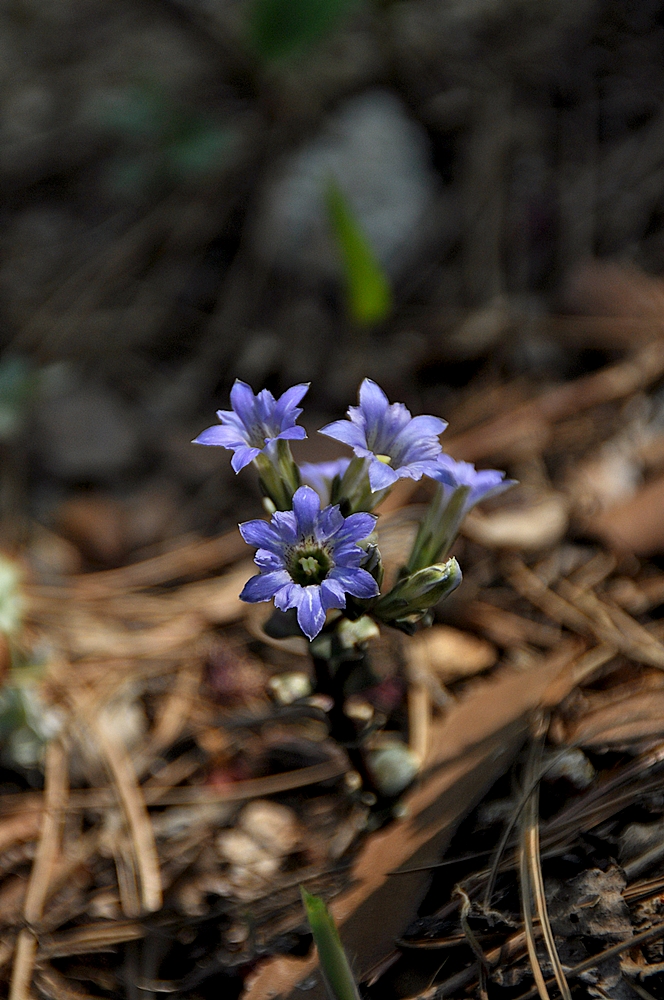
333,961
368,294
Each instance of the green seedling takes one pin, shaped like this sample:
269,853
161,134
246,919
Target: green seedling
333,961
368,293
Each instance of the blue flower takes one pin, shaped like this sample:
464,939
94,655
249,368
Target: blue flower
396,445
309,559
255,422
320,475
480,484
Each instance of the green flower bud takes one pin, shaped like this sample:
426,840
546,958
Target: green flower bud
412,596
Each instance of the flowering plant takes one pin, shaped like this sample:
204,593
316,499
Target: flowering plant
318,558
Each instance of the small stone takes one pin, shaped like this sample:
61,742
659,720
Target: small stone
274,826
358,708
573,765
393,767
237,847
289,687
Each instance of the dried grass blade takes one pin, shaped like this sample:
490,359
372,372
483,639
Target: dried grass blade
54,985
56,787
526,907
419,719
55,801
166,795
616,949
93,938
136,815
24,961
531,852
534,863
188,560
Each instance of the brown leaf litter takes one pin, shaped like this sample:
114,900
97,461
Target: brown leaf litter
180,781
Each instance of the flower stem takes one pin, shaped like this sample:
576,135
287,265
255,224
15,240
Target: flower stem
273,484
439,528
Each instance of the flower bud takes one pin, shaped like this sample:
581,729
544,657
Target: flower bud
412,596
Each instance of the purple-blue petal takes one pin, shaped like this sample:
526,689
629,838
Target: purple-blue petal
285,525
222,437
306,507
346,432
373,402
243,402
424,426
287,596
264,407
357,527
349,554
264,586
310,611
381,476
260,534
230,419
330,520
356,582
243,456
332,594
291,434
269,561
286,406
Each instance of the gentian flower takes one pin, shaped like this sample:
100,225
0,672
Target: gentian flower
461,486
480,484
320,475
309,559
397,445
255,422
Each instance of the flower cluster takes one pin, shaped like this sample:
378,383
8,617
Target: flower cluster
318,553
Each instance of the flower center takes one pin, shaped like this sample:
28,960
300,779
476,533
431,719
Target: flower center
309,565
385,459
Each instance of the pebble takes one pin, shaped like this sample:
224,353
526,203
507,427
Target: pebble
238,848
272,825
289,687
381,160
393,767
572,765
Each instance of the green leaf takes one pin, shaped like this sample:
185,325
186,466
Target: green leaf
368,293
282,28
333,962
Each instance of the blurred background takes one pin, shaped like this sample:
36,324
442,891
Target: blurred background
300,190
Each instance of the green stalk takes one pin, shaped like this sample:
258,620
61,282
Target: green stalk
438,529
278,478
333,961
354,483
